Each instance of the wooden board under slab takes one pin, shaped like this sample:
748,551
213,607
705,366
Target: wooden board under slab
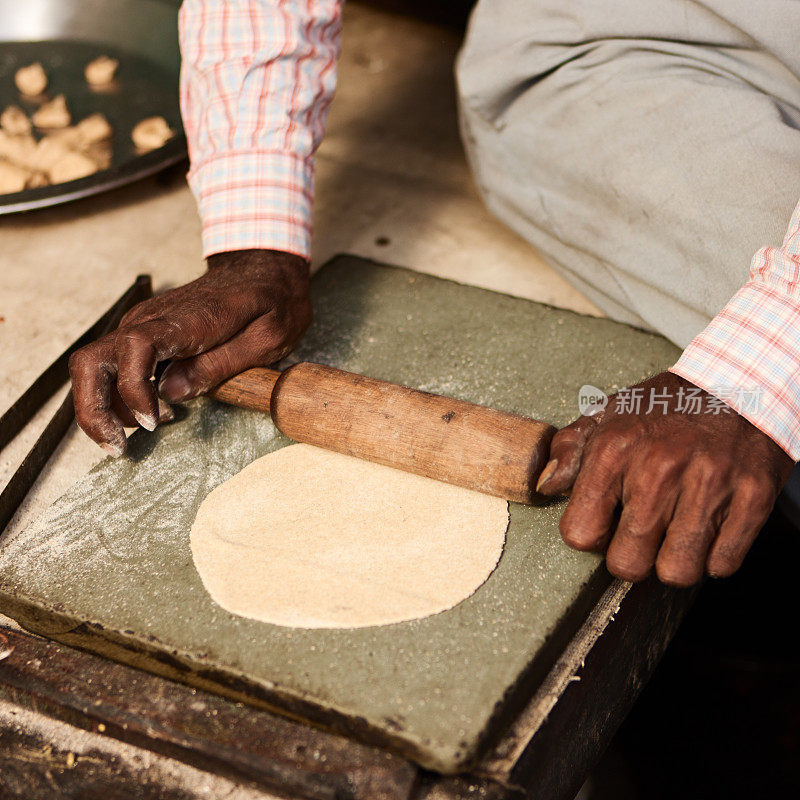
108,567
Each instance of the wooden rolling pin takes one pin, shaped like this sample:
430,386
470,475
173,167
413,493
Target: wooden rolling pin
449,440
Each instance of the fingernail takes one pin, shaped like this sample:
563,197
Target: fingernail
166,413
147,421
174,387
113,450
547,473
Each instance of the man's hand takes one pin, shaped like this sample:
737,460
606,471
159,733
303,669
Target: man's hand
686,492
248,310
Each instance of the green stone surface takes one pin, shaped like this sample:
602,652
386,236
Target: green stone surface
109,568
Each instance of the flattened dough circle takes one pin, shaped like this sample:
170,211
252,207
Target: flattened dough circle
307,538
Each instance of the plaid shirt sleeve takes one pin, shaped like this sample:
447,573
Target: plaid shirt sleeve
749,355
257,80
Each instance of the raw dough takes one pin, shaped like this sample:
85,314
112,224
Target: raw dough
12,178
312,539
100,153
72,166
54,114
70,153
49,150
151,133
95,128
15,122
31,80
21,150
101,71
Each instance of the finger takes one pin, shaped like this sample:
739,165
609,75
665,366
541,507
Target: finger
261,342
589,517
649,494
138,349
748,511
698,513
634,545
92,370
566,451
123,413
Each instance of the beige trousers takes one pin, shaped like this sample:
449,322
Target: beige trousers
647,148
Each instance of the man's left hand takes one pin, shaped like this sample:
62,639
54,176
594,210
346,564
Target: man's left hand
662,485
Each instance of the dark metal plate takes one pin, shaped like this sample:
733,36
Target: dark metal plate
66,34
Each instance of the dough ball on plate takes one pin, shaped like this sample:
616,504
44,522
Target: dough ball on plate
71,167
20,150
69,137
94,128
15,121
12,178
49,151
100,153
31,80
101,71
151,133
54,114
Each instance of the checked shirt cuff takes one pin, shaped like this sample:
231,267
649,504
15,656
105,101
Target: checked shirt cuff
749,357
254,200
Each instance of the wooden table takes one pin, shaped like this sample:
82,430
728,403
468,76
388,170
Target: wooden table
142,729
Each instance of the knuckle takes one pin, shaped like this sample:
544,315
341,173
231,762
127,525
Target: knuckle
88,358
571,535
130,339
194,326
663,466
708,463
662,457
628,560
758,494
274,337
680,562
210,368
78,361
605,451
684,541
563,442
708,474
574,433
640,530
577,538
677,548
269,334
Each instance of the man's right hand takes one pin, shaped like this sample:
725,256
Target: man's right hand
248,310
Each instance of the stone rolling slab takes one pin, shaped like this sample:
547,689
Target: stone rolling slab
108,568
